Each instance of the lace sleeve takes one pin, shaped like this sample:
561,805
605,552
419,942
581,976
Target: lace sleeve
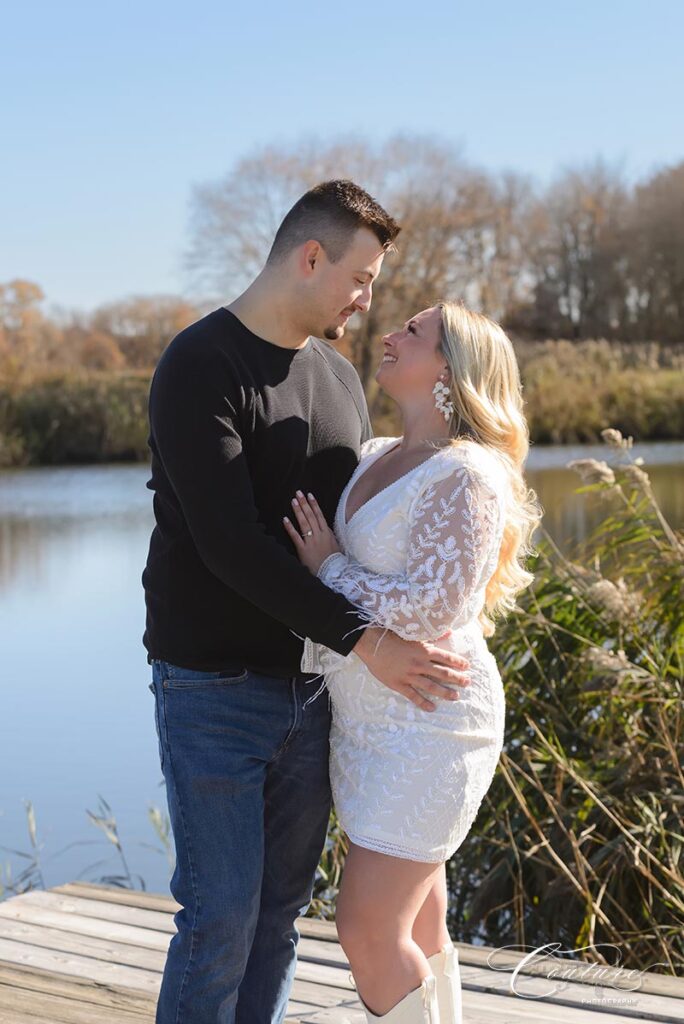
454,526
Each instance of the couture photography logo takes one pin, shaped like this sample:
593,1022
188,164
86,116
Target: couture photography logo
546,972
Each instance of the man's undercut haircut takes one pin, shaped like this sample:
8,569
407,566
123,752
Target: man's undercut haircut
331,213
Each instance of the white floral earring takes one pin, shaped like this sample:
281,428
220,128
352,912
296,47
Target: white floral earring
440,391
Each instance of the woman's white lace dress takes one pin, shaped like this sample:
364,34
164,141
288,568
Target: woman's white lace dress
416,559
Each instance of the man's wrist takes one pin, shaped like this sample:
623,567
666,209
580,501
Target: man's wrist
367,641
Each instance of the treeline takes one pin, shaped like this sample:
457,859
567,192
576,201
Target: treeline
584,257
585,274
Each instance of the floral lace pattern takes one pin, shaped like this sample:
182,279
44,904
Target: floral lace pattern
416,559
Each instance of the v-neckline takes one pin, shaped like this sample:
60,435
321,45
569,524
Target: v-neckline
352,483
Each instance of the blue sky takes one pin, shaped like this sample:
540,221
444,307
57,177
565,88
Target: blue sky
111,112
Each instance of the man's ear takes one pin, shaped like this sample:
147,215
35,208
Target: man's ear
311,253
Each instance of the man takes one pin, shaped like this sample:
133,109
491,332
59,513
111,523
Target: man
247,406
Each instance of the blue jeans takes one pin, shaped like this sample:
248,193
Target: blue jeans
247,785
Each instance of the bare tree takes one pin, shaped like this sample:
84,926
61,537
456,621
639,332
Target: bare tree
575,249
460,228
234,220
656,257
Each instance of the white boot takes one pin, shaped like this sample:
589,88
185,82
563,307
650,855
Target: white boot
419,1006
444,966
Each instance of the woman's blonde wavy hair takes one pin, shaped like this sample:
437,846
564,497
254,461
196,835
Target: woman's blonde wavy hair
486,392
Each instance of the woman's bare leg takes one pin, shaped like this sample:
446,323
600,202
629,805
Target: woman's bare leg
378,902
429,928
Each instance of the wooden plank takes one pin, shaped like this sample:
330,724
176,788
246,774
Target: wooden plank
315,929
317,995
84,945
102,910
298,1010
113,894
79,925
34,979
318,951
309,926
16,1017
61,1010
81,966
334,1015
323,975
74,926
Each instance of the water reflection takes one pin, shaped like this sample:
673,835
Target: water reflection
569,517
51,516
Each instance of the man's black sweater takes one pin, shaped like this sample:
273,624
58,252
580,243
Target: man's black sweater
237,425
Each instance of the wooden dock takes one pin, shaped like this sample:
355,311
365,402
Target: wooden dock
92,954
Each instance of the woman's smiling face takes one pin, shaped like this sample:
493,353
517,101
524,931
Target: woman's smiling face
412,360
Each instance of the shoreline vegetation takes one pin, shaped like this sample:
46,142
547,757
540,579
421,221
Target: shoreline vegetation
579,839
572,389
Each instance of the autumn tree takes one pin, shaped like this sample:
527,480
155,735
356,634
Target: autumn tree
142,326
460,232
27,337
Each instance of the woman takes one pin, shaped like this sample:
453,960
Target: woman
431,533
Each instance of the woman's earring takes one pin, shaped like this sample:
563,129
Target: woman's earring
440,391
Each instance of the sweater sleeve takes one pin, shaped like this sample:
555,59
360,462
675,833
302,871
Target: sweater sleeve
195,427
367,434
454,530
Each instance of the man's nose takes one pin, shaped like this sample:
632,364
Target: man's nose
363,302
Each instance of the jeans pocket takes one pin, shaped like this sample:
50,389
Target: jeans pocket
156,725
177,678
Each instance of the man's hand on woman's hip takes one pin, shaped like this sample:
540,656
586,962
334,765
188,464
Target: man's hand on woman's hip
403,665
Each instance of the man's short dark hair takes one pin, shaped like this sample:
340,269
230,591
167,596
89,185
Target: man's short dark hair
331,213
